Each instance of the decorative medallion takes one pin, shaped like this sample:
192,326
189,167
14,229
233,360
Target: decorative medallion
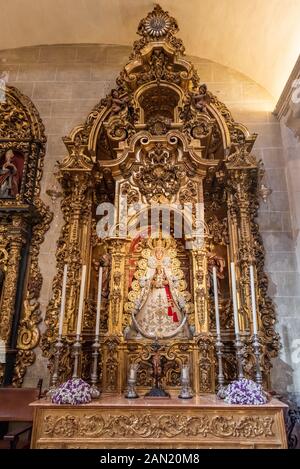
157,24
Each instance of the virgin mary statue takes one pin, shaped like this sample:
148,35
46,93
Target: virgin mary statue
159,300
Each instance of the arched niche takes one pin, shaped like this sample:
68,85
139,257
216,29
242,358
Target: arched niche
24,219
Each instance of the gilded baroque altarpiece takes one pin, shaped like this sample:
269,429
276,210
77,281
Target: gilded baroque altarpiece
159,138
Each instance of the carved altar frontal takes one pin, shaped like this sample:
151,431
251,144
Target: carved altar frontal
115,422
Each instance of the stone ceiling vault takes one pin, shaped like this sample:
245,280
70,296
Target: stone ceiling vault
259,38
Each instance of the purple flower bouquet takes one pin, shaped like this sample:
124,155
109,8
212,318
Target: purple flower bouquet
75,391
245,392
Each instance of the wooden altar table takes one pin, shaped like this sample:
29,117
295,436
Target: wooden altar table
116,422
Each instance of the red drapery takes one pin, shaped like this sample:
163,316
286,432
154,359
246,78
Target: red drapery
171,312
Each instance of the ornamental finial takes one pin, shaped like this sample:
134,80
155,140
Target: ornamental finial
158,26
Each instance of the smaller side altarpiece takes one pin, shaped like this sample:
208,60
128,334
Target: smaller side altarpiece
24,219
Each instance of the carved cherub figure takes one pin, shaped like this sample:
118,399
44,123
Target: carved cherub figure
200,99
118,103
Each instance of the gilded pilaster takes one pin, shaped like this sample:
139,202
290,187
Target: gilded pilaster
77,250
242,174
199,266
117,247
74,246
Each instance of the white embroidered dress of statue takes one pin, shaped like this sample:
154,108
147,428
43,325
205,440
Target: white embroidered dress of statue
160,306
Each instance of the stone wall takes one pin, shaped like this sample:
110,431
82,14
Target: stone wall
290,327
65,82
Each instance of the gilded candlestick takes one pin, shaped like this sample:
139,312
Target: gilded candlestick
256,348
131,383
54,379
95,391
185,392
219,344
239,355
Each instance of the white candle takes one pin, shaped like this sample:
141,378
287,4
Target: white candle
132,372
253,300
215,281
234,299
81,300
185,372
63,301
98,302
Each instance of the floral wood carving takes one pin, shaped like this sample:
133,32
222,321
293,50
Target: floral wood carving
168,425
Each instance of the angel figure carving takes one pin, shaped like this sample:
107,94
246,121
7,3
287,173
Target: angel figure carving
214,260
200,99
118,103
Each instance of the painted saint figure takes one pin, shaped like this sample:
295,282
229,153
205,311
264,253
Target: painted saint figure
8,172
11,174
